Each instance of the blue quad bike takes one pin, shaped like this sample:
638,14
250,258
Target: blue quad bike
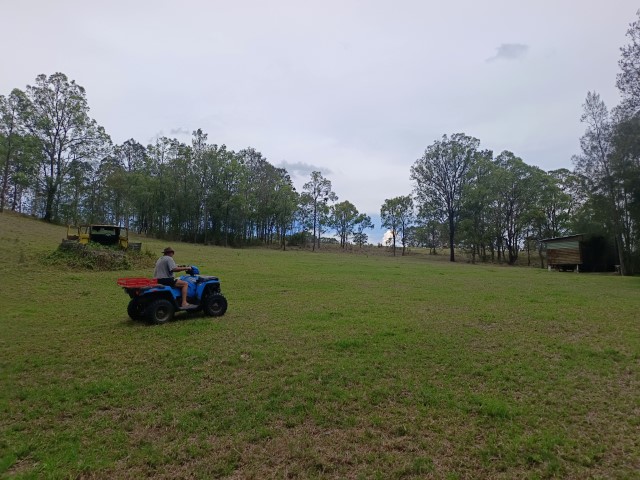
158,303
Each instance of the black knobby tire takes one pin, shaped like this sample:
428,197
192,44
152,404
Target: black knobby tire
160,311
214,305
136,308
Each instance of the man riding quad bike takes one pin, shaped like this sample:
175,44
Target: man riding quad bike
157,303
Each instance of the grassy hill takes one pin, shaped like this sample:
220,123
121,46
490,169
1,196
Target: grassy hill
326,365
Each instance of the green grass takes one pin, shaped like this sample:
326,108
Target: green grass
326,365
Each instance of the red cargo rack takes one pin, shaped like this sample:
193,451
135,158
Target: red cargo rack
137,282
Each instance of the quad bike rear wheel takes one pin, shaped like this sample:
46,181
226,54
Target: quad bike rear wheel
136,308
161,311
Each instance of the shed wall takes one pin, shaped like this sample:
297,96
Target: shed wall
564,256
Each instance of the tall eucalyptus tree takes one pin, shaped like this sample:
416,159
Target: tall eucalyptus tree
285,203
10,139
363,222
56,112
626,140
441,177
477,220
519,187
628,80
132,156
596,167
317,193
397,215
343,220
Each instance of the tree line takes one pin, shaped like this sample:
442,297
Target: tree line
60,165
57,163
494,207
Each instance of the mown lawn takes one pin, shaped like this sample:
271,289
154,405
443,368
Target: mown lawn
326,365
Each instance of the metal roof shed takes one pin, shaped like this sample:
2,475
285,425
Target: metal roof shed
564,252
587,253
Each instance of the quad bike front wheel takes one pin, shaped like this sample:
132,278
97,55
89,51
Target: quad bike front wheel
214,305
161,311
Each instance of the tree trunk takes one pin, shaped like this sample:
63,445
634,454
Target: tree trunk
5,179
452,255
16,194
621,256
541,257
315,222
51,195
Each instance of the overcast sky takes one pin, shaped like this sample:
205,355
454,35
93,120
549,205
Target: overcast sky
354,89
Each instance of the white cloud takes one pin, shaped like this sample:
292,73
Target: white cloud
180,131
302,169
509,51
387,238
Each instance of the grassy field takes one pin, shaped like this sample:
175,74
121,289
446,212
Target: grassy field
326,365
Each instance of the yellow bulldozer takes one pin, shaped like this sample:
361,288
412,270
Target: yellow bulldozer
109,235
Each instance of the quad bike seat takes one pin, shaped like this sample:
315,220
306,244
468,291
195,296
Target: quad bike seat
204,278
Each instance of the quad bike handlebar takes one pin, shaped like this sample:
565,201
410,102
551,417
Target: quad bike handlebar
192,270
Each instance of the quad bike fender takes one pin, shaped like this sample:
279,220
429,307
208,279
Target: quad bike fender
163,291
199,284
